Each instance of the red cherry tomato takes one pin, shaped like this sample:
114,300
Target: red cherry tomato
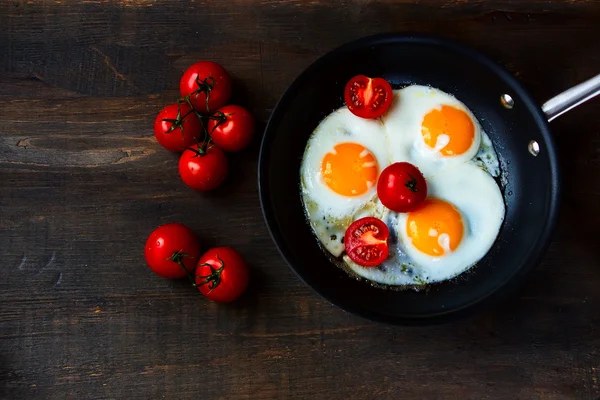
203,170
208,84
368,97
366,241
231,128
401,187
177,127
222,274
170,248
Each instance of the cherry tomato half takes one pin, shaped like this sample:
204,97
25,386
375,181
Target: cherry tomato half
401,187
171,247
222,274
177,127
368,97
208,84
231,127
366,241
203,170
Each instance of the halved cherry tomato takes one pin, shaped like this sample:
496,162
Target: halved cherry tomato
176,127
368,97
222,274
170,248
208,84
203,170
231,127
401,187
366,241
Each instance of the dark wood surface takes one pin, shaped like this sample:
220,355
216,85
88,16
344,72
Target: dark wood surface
83,182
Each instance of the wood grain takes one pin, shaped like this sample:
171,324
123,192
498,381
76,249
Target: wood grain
82,184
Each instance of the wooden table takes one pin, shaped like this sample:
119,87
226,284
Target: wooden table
83,183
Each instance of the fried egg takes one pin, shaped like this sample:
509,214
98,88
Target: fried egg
339,173
433,130
446,235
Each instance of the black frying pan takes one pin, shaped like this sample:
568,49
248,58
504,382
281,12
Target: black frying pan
521,135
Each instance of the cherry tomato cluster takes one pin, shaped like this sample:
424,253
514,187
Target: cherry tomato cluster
401,187
202,125
173,252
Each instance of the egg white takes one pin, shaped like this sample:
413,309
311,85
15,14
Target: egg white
330,213
486,158
465,181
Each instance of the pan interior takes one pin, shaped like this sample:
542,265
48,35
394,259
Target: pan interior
530,184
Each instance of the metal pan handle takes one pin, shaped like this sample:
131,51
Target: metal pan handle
571,98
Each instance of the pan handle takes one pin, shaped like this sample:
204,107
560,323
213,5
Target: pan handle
571,98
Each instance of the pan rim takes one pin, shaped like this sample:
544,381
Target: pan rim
504,288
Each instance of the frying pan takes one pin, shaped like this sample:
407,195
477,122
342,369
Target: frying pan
517,125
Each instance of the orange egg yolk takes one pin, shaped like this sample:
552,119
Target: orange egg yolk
349,169
452,122
435,227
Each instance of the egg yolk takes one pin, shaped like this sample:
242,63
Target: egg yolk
349,169
448,130
435,227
